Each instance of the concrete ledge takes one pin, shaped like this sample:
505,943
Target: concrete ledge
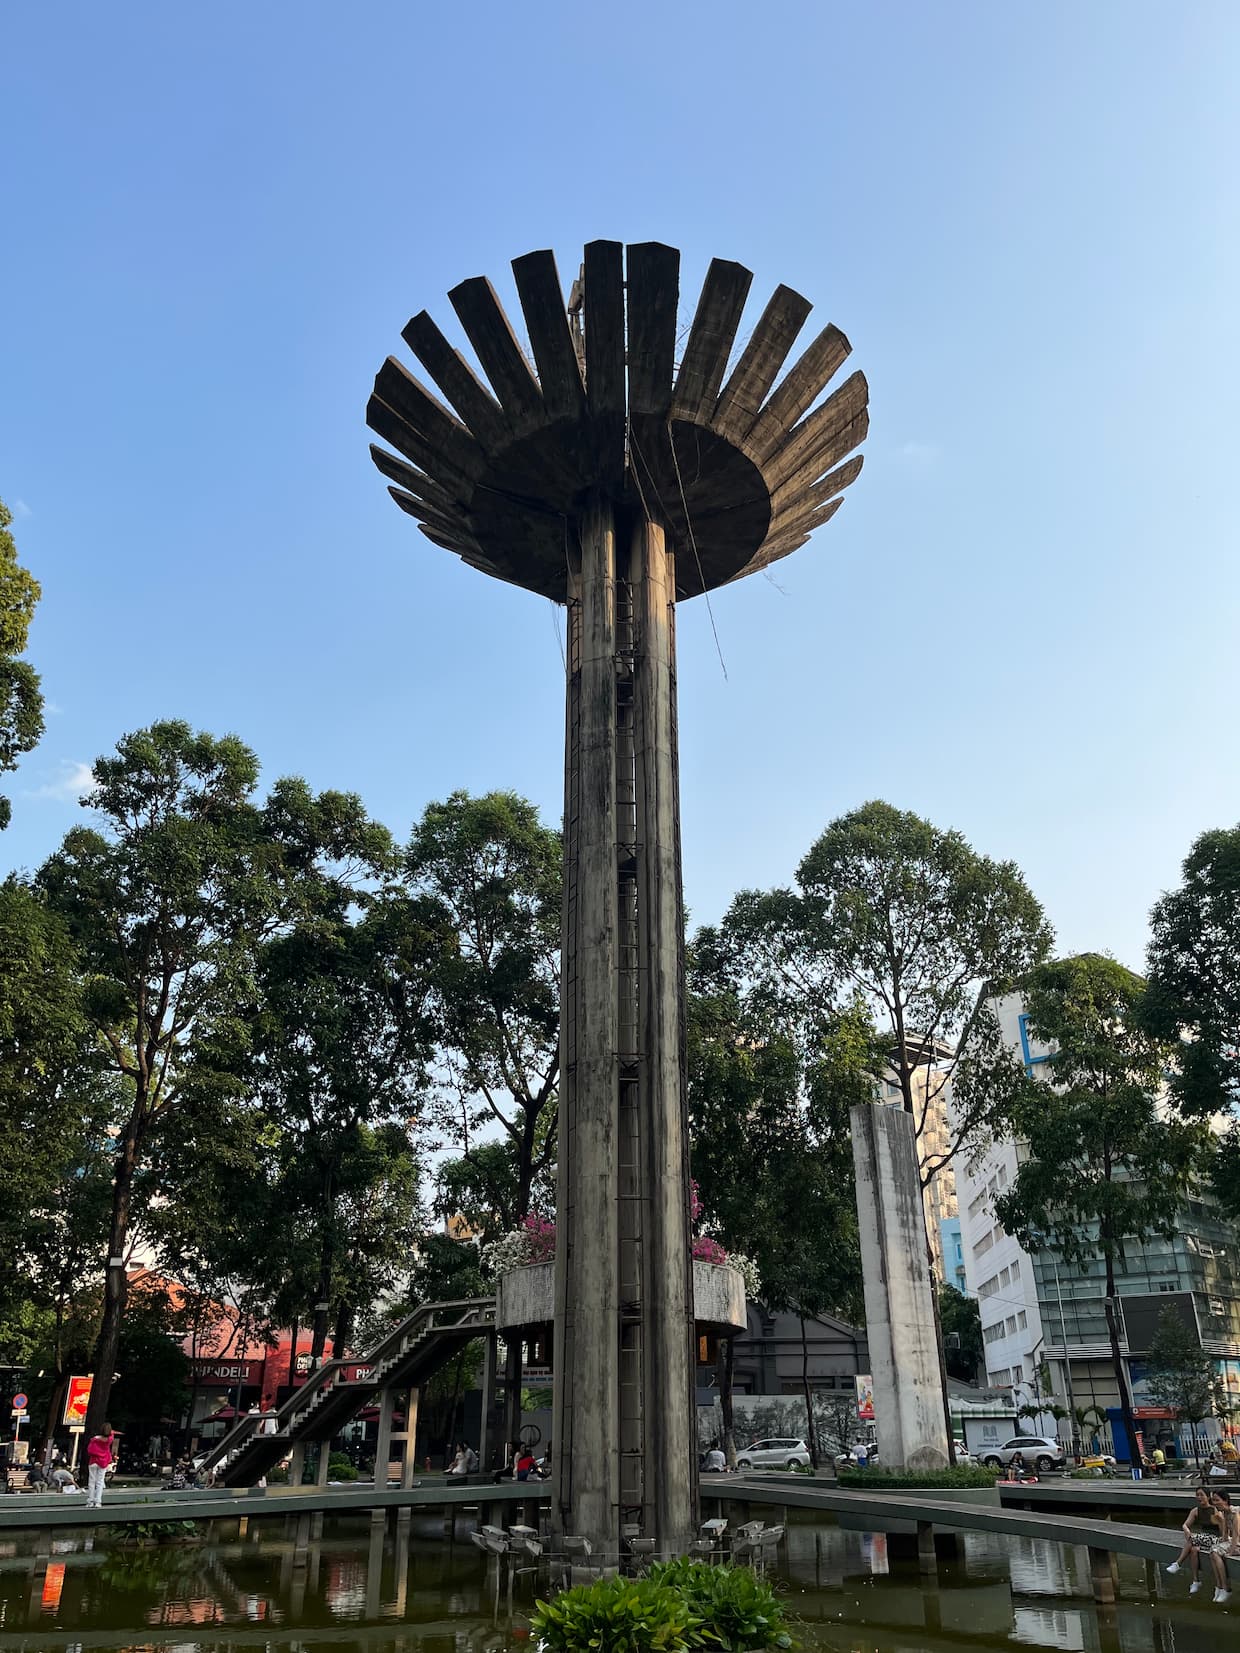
900,1511
526,1297
226,1503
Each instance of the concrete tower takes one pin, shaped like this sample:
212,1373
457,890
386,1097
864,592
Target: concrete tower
613,479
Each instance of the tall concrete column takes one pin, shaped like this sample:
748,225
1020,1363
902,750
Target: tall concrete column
899,1307
670,1437
585,1418
623,1431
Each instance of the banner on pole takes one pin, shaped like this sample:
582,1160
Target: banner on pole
77,1398
865,1398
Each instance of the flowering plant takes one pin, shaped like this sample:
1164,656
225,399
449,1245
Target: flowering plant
533,1241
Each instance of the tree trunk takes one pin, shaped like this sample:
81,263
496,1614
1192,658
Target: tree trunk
343,1331
115,1280
294,1333
723,1368
811,1438
322,1301
1121,1377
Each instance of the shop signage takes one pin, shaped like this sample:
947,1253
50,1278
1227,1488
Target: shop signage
225,1373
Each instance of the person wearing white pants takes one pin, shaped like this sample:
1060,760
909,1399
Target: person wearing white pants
99,1455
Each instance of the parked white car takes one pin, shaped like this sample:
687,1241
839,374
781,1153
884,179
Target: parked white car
779,1452
1038,1452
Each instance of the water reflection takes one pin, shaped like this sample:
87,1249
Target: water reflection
398,1586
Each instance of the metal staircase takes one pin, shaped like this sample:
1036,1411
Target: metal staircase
321,1407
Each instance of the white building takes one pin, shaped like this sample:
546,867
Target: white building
998,1271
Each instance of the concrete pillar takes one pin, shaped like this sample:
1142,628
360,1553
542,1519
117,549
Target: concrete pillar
927,1555
409,1468
297,1464
1103,1574
488,1401
586,1405
623,1432
899,1308
669,1455
383,1441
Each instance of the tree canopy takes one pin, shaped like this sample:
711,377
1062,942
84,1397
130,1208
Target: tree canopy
21,699
1193,989
489,876
905,920
166,901
1108,1165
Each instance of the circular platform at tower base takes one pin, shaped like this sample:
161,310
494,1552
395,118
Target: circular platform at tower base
526,1297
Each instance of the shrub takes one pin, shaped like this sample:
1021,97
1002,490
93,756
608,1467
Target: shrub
340,1468
738,1611
962,1475
678,1607
616,1615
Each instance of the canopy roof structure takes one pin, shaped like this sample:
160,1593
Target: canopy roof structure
738,469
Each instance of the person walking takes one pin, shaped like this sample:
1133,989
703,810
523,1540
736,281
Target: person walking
100,1455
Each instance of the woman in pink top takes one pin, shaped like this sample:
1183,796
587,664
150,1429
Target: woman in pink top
99,1455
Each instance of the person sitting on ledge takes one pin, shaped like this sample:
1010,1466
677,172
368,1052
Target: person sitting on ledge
1198,1530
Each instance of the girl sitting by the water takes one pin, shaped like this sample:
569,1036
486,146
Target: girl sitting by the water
1198,1530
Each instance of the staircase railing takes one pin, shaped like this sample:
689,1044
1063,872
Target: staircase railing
457,1314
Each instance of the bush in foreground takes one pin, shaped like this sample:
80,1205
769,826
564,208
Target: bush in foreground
962,1475
680,1606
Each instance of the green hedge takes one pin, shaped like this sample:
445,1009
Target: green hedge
963,1475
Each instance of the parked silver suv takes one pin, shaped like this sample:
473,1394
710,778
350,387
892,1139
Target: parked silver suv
782,1451
1039,1452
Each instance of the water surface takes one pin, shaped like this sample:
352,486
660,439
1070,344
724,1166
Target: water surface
390,1587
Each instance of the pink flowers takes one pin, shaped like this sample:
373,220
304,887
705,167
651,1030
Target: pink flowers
540,1239
533,1241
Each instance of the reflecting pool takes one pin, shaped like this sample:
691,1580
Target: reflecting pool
401,1587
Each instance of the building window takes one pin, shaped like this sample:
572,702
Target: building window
1022,1320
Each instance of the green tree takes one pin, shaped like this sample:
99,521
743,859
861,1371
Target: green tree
484,1190
164,903
336,1065
21,700
491,875
43,1035
910,923
914,923
1180,1375
1193,993
1108,1164
1193,990
961,1320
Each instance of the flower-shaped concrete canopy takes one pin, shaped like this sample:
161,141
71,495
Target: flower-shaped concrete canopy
739,472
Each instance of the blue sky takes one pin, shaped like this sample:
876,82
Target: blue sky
1022,623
